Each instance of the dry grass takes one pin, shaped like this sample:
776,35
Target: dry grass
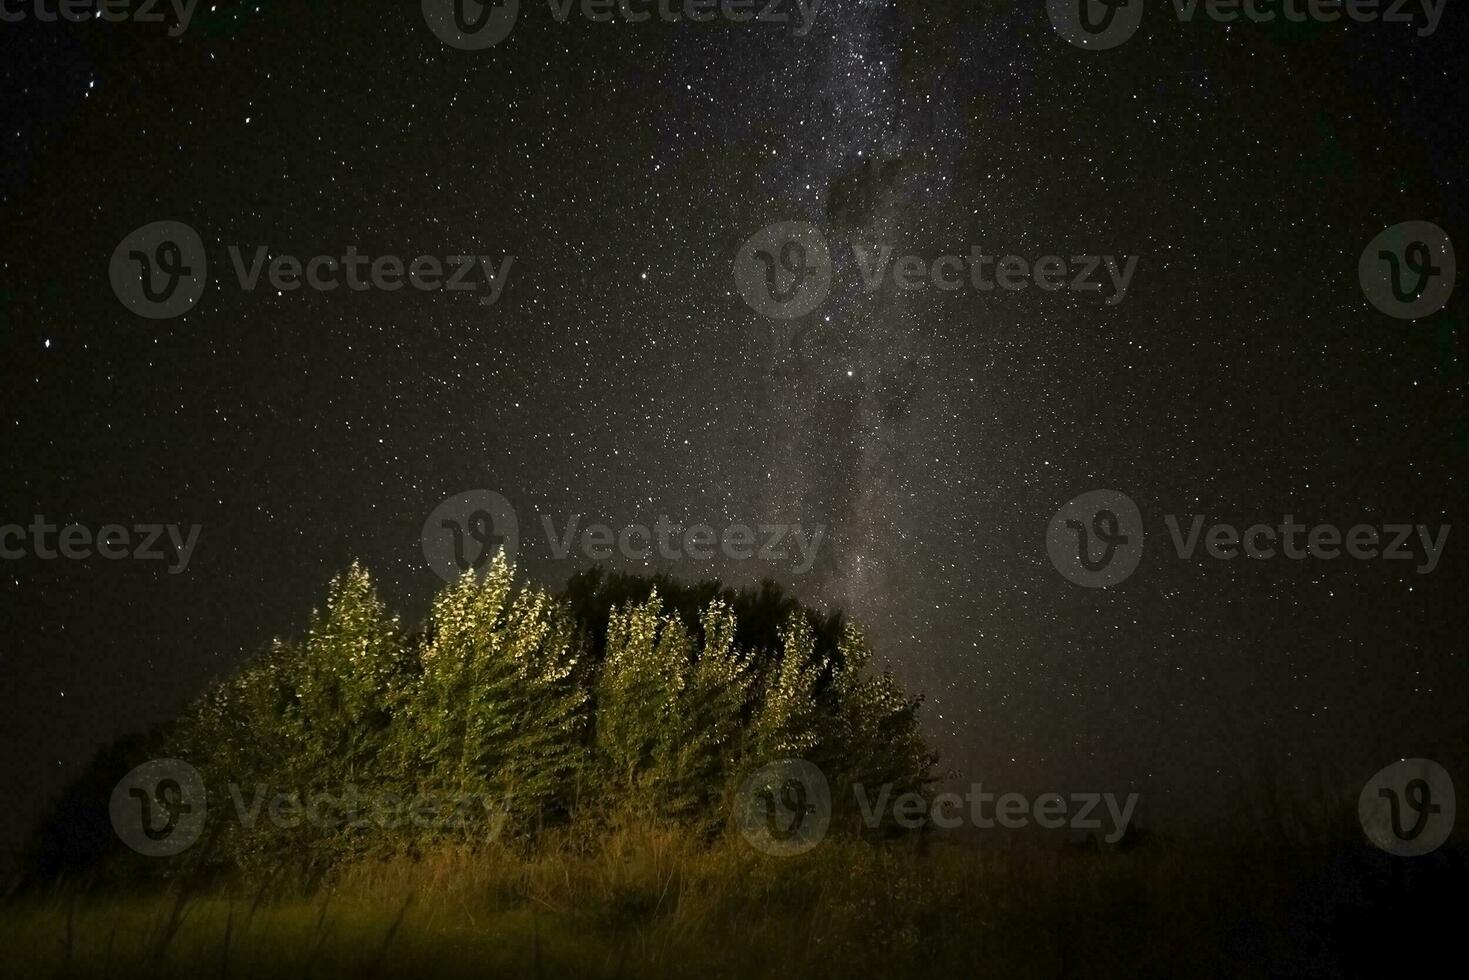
649,901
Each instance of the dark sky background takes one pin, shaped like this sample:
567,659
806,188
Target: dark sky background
622,377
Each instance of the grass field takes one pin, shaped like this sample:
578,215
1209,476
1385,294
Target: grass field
651,902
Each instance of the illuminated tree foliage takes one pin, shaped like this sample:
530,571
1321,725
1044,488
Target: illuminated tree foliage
494,710
513,708
669,706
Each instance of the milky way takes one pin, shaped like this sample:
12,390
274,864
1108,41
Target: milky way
933,433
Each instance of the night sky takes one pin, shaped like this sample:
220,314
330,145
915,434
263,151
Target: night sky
621,376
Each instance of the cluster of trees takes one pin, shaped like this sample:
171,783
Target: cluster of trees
512,709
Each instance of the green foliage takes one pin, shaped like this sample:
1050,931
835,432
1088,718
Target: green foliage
670,706
298,720
346,679
625,694
495,711
787,722
877,739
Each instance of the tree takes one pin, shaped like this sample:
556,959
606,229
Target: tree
876,741
349,675
788,722
296,721
520,703
495,711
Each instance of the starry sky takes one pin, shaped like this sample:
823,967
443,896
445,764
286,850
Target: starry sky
621,377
